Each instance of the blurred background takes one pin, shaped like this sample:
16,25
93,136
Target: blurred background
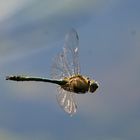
32,32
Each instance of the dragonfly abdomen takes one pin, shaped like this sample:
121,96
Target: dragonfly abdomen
37,79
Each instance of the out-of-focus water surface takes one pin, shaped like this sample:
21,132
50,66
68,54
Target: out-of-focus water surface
32,33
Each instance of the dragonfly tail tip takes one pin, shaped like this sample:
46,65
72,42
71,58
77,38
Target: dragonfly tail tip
7,78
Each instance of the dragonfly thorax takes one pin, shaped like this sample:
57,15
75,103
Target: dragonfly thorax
77,84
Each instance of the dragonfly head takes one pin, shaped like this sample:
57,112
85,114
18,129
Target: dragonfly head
93,86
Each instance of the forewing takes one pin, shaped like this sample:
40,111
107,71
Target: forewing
66,63
66,101
71,51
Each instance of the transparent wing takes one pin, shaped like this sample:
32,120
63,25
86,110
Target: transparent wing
66,63
66,101
71,51
60,68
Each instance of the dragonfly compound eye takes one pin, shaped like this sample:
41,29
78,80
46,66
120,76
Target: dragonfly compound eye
93,86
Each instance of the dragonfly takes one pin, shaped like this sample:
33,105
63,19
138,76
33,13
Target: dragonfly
66,74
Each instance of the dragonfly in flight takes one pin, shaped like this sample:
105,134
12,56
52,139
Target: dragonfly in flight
66,74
